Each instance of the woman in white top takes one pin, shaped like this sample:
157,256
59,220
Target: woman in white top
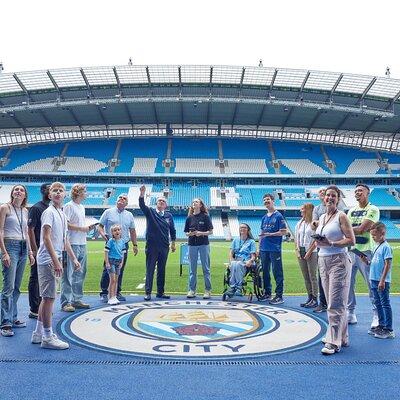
14,246
335,235
306,252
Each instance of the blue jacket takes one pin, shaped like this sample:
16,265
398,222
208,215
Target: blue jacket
159,229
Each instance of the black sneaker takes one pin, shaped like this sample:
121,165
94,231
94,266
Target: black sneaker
104,298
277,300
313,303
320,309
120,297
147,297
306,302
33,315
162,296
266,297
374,330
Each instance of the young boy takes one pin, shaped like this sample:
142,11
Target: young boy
114,253
380,277
50,257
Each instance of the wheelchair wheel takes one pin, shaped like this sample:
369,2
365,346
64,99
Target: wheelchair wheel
224,297
258,283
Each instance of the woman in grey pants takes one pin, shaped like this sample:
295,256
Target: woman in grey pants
334,235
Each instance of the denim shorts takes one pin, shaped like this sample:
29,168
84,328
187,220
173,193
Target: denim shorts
115,266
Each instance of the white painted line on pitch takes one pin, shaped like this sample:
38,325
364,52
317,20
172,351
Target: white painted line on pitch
140,286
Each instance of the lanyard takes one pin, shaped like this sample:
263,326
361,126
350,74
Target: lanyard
326,222
377,248
20,220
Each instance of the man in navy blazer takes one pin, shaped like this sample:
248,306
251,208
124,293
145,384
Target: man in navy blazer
160,232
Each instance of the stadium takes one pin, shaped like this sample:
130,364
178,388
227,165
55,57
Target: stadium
226,134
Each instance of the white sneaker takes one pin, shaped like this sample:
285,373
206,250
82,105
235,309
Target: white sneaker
329,349
207,294
53,342
113,301
375,320
351,318
191,294
36,338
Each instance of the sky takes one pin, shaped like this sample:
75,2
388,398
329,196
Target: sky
351,36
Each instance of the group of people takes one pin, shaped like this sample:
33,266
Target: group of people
53,236
322,239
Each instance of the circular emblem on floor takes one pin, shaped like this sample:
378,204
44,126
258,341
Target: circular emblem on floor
193,329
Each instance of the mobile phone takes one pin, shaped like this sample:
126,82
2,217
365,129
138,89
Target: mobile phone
317,236
358,253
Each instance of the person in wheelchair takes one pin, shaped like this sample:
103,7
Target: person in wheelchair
241,257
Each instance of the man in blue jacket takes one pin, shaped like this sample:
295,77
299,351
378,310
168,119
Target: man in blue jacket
160,229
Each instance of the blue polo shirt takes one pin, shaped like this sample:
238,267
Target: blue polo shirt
124,218
381,253
270,224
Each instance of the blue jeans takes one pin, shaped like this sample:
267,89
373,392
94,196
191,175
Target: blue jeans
71,280
12,277
273,258
382,304
238,271
204,251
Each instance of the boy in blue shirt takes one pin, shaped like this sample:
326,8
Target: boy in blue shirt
380,278
113,255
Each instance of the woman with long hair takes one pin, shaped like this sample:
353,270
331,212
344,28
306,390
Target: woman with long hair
241,257
198,227
306,252
14,246
334,235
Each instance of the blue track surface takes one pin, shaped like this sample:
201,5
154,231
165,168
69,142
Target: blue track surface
369,367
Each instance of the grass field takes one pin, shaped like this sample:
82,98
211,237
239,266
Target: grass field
135,271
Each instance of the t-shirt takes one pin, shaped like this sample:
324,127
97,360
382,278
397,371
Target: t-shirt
116,248
318,211
243,248
76,216
381,253
124,218
198,222
35,213
357,215
57,221
270,224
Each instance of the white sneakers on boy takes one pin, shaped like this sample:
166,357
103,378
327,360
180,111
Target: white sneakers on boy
53,342
36,338
113,301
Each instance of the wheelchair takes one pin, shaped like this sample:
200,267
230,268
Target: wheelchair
252,284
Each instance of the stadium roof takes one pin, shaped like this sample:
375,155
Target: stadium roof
317,106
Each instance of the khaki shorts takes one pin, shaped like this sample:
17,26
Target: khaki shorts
47,281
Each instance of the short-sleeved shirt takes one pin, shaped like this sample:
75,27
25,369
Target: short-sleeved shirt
198,222
318,211
270,224
76,216
357,215
381,253
243,249
35,213
124,218
57,221
116,248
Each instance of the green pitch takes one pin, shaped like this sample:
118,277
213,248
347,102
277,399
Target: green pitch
135,271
